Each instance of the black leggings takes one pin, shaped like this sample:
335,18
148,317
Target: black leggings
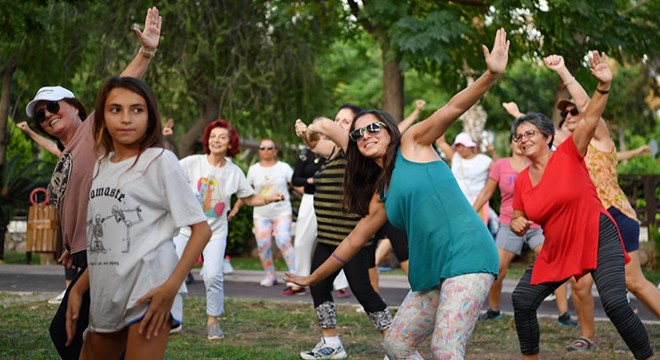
610,281
58,324
357,274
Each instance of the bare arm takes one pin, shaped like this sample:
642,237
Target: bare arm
586,127
426,132
625,155
493,154
512,108
363,231
260,200
580,97
315,142
73,305
329,129
446,148
48,145
405,124
149,39
485,194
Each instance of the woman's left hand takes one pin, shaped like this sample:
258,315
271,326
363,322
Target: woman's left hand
157,317
599,67
297,279
150,37
499,56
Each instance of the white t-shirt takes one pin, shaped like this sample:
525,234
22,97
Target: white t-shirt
270,181
213,186
134,212
471,174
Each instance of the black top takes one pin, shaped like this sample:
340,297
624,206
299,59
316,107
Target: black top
307,165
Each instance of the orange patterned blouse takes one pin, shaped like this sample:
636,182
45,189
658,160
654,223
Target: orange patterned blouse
602,169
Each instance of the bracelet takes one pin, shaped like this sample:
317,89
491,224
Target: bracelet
604,92
566,83
265,201
338,258
146,53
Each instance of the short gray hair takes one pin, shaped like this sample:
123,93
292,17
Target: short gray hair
542,122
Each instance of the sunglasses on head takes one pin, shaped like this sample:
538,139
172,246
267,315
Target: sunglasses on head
573,111
373,128
53,107
266,147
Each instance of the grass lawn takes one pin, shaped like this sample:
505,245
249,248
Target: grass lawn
271,330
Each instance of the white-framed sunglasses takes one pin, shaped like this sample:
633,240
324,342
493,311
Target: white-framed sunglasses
373,128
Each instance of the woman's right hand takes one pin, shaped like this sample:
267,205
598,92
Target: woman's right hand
302,281
66,259
554,62
73,304
301,128
520,225
150,37
23,125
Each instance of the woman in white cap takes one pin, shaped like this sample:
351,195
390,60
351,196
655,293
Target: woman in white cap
469,167
59,114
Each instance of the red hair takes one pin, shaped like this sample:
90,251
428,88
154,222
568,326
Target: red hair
233,136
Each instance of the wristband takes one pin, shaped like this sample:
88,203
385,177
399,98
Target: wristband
146,53
604,92
338,258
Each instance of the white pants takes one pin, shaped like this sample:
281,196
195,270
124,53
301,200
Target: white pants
305,239
214,258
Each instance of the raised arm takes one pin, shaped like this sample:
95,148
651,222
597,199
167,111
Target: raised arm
625,155
149,39
363,231
48,145
512,108
414,115
580,97
329,129
445,147
586,127
426,132
315,142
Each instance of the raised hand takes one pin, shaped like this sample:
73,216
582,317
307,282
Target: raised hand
301,128
512,108
419,104
497,58
554,62
150,36
23,125
599,67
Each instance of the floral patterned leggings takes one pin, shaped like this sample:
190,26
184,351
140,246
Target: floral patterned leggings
449,312
280,228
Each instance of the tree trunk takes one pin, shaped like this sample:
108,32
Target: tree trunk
208,112
7,73
392,88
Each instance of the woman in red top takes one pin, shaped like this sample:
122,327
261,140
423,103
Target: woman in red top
580,235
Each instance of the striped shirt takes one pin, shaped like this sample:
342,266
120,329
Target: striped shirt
333,223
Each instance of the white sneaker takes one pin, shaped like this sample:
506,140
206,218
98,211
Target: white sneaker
57,299
324,351
226,267
360,309
214,332
268,281
551,297
177,329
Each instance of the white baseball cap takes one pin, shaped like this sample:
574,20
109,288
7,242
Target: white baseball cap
464,139
48,93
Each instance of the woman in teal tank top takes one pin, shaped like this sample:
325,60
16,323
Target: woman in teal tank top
453,260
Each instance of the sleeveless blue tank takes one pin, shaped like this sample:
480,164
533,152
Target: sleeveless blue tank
446,236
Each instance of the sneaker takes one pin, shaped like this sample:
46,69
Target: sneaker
490,314
288,291
551,297
342,294
190,279
176,329
583,344
566,321
57,299
360,309
214,332
324,351
268,281
226,267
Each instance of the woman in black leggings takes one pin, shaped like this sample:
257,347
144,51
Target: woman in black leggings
580,235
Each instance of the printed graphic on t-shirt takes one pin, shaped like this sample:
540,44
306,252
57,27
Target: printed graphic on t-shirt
266,185
213,204
60,179
122,217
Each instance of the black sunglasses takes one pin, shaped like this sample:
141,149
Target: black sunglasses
373,128
53,107
266,147
573,111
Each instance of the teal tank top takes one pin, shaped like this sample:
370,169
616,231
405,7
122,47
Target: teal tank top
446,236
